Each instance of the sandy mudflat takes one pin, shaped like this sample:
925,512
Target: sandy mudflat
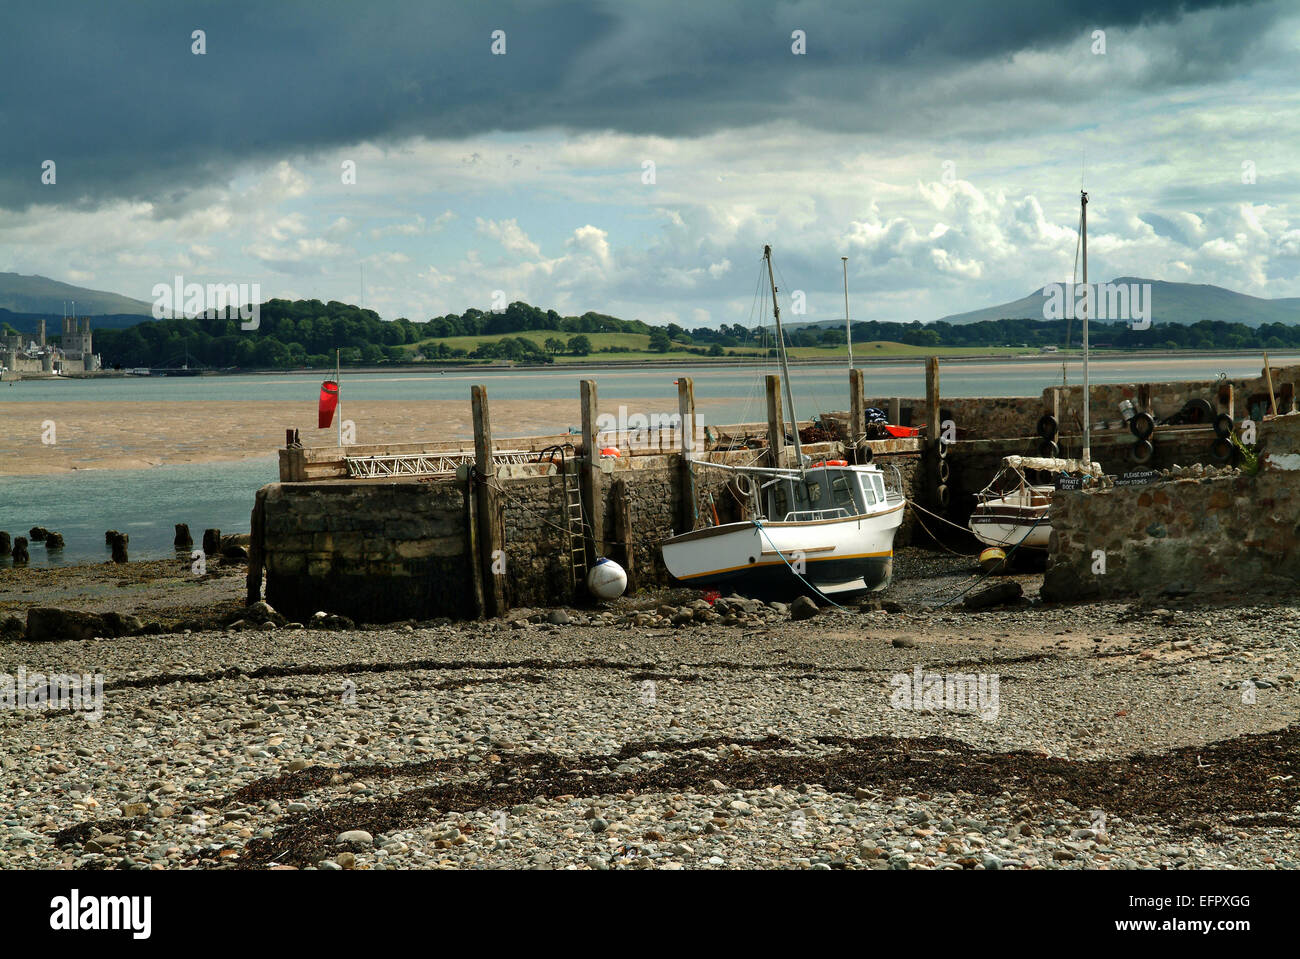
136,435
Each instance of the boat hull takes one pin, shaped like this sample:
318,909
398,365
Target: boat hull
836,558
998,523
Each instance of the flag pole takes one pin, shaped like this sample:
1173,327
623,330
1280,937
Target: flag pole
338,408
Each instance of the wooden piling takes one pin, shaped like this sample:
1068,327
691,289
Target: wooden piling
1228,400
592,498
1268,376
932,402
896,411
256,549
686,407
476,564
491,532
775,422
857,413
623,532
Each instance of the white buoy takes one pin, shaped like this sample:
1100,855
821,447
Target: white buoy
606,580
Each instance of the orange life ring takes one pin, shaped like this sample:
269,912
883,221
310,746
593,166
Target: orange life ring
830,463
609,451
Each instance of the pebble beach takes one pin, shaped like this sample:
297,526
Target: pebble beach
658,732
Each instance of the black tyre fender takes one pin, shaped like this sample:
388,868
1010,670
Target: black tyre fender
1198,411
1142,452
1223,426
1143,425
1048,427
945,471
1048,448
943,495
1221,449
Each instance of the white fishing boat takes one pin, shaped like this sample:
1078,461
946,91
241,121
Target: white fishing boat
823,528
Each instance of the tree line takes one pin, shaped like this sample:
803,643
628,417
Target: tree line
306,333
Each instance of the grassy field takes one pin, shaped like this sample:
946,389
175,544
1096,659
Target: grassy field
637,346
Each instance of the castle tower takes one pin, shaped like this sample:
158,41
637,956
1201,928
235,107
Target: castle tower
40,333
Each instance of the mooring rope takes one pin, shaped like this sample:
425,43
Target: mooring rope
989,572
939,542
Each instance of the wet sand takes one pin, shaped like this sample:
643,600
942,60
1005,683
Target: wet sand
136,435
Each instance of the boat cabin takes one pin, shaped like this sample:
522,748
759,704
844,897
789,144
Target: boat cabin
827,492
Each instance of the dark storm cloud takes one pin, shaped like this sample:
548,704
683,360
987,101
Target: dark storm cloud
112,93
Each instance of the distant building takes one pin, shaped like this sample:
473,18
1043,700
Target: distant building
74,355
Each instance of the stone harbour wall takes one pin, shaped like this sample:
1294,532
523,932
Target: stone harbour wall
1197,531
372,551
1001,416
384,550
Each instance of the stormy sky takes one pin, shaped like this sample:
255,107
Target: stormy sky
634,157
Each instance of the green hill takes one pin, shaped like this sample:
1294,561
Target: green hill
39,294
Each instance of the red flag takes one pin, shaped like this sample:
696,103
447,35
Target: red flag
329,400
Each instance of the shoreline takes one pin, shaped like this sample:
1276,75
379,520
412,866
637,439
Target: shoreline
722,361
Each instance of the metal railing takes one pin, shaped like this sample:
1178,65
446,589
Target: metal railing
426,464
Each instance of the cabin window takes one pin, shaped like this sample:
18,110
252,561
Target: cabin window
842,494
780,501
810,495
869,491
878,482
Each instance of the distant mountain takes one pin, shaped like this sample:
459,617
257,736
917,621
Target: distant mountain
1183,303
39,295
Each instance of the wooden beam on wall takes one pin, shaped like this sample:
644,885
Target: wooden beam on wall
491,528
686,407
857,412
593,501
775,422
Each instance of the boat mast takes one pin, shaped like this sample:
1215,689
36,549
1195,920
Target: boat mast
848,328
1087,302
785,364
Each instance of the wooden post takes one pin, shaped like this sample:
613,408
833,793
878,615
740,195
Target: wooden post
1268,375
592,501
623,532
1228,400
256,549
491,537
895,411
475,560
857,413
775,422
932,402
686,407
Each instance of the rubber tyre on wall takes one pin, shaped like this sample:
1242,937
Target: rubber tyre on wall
1142,452
1048,448
1223,426
1143,425
865,455
1198,411
1221,450
943,496
1048,427
945,471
